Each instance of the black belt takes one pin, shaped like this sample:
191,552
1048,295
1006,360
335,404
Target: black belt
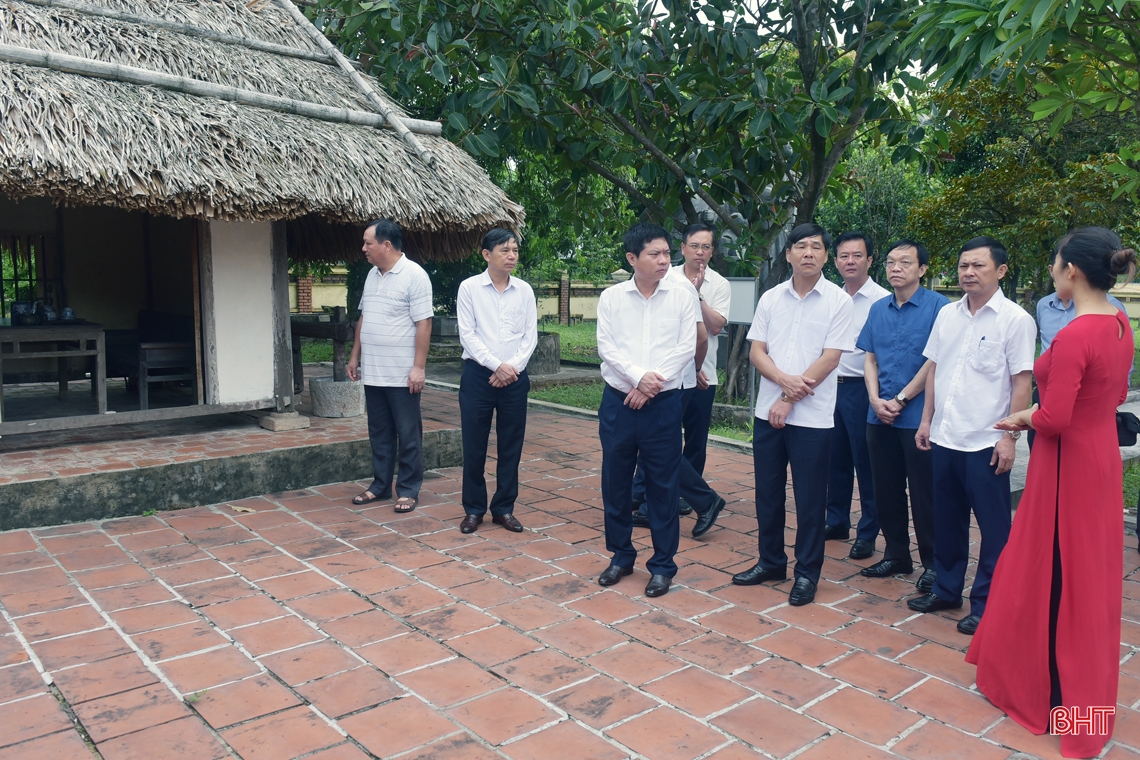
659,397
850,379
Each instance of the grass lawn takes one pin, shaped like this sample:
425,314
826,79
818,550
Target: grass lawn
320,350
586,396
576,343
1131,486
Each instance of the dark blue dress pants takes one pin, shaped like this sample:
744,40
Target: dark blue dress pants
395,427
697,421
478,400
806,450
653,434
964,482
849,457
693,488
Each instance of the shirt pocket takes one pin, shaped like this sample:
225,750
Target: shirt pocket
511,322
987,358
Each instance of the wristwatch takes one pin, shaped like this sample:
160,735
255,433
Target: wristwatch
1013,434
901,398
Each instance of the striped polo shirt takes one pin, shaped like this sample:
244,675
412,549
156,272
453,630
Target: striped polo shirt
390,306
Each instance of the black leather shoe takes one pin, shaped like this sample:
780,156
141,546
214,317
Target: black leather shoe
802,593
686,507
926,582
613,574
708,519
835,533
969,624
470,523
887,567
931,603
509,522
756,575
862,549
658,585
640,520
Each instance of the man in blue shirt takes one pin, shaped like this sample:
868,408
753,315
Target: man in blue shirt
895,372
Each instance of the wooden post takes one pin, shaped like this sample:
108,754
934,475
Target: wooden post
340,363
209,329
282,336
196,297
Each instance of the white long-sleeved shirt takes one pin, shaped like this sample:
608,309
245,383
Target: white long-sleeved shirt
851,362
497,327
638,334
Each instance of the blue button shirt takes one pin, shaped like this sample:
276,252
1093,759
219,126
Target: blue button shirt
896,336
1052,316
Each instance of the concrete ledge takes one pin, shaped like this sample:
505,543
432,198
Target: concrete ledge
188,484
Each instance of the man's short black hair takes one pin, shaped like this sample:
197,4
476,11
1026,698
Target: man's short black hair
641,235
807,230
923,256
497,237
997,250
868,246
386,229
696,227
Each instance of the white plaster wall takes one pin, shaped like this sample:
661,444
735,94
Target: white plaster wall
243,309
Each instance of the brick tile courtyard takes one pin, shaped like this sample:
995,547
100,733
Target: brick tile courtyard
295,625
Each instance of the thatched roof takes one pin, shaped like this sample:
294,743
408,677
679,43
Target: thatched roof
93,138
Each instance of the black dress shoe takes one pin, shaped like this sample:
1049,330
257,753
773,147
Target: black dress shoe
756,575
686,507
887,567
862,549
926,582
835,533
969,624
658,585
803,592
931,603
509,522
470,523
613,574
640,520
708,519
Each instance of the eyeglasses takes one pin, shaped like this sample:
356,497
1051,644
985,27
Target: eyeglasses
904,264
699,247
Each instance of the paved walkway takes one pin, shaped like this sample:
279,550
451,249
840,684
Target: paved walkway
307,628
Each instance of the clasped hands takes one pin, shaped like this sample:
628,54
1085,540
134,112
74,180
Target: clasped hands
886,409
796,388
650,385
503,376
1022,420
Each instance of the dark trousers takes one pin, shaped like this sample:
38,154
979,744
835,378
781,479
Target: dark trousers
806,450
849,457
478,401
696,422
394,425
693,488
651,435
964,482
897,463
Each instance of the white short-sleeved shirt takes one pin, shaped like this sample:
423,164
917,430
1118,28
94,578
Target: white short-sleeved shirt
638,334
390,306
677,275
851,364
975,357
497,327
797,331
717,293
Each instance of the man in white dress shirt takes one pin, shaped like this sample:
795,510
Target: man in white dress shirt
981,350
849,453
498,327
647,333
801,328
389,355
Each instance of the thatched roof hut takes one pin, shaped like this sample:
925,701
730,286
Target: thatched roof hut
229,111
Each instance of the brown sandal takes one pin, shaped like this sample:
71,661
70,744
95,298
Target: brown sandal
364,498
405,504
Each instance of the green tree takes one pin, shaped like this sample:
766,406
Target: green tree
1081,56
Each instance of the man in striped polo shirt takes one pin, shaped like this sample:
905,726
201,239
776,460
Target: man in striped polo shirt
389,355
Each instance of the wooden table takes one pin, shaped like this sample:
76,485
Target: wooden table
68,341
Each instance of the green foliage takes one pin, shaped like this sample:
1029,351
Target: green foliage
744,106
874,194
577,342
584,396
1081,57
